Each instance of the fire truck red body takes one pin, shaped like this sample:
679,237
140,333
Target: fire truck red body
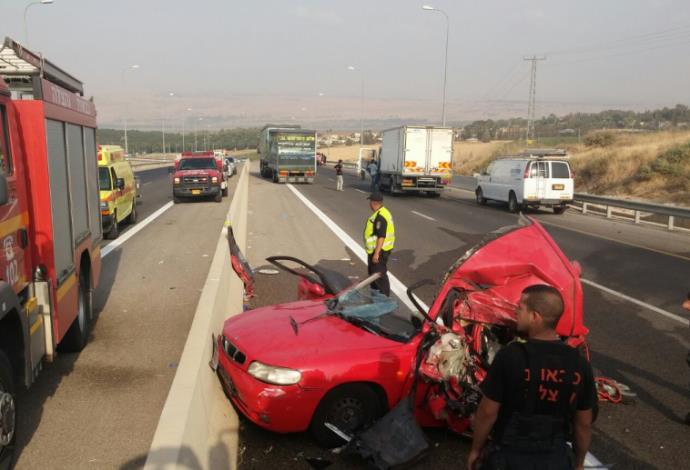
50,226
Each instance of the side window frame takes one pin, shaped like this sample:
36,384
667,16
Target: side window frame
5,152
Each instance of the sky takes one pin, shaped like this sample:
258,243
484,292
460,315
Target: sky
243,63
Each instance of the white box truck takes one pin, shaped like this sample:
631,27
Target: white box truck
416,159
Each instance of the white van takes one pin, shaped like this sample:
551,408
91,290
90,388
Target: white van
538,177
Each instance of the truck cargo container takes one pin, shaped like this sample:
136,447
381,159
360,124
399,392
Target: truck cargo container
415,159
287,154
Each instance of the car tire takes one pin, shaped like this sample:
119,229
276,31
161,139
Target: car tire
132,217
218,197
78,334
351,408
225,192
558,210
513,205
481,200
8,412
114,231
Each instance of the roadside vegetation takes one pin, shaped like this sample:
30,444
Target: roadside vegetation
654,166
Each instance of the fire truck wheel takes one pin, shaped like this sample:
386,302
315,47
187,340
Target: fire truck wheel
225,192
78,334
218,197
8,413
132,217
114,231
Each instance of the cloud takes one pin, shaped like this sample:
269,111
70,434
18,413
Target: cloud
321,16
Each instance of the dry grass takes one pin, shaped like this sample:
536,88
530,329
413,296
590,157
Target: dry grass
470,157
623,169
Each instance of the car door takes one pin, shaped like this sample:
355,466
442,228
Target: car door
560,185
117,195
486,183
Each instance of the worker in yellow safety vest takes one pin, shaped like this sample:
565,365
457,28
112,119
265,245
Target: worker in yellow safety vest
379,239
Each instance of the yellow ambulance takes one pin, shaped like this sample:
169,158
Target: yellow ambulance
118,190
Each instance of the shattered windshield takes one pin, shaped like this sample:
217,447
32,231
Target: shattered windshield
372,311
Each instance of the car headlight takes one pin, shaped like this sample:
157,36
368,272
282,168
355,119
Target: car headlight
177,180
214,179
274,375
104,205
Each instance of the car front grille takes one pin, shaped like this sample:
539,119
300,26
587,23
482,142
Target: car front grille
195,179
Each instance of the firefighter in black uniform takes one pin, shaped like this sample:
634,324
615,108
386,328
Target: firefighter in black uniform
538,396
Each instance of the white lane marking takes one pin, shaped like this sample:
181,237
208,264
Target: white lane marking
422,215
666,314
331,179
397,287
147,183
359,190
136,229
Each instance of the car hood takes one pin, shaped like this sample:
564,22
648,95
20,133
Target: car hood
495,272
294,334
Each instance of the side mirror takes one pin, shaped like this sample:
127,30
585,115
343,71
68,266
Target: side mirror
171,170
4,193
120,184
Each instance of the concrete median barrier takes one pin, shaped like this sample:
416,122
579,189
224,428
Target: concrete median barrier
198,427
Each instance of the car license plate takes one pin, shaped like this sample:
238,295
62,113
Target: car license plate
196,191
558,187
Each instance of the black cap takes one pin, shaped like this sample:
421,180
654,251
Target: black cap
378,197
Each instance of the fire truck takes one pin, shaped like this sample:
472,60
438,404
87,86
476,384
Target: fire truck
199,174
50,222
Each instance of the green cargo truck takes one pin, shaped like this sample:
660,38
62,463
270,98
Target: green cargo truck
288,154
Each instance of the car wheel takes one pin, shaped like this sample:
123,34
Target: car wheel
481,200
132,217
114,231
558,210
78,334
225,192
218,197
351,408
8,413
513,205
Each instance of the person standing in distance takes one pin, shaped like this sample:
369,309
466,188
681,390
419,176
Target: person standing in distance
379,240
373,170
538,396
339,176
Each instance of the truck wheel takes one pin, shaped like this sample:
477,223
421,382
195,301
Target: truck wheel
433,194
513,205
558,210
481,200
8,413
350,408
176,200
78,334
132,217
275,177
114,231
225,192
218,197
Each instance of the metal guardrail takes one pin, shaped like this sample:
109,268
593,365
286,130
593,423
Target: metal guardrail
638,207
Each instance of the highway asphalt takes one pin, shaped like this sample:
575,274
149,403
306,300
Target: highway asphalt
99,409
631,342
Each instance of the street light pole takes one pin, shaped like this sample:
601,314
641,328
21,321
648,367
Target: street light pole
26,10
445,62
196,122
352,68
184,120
171,94
130,67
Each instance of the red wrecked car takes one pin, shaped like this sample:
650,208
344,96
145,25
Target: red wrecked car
346,359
